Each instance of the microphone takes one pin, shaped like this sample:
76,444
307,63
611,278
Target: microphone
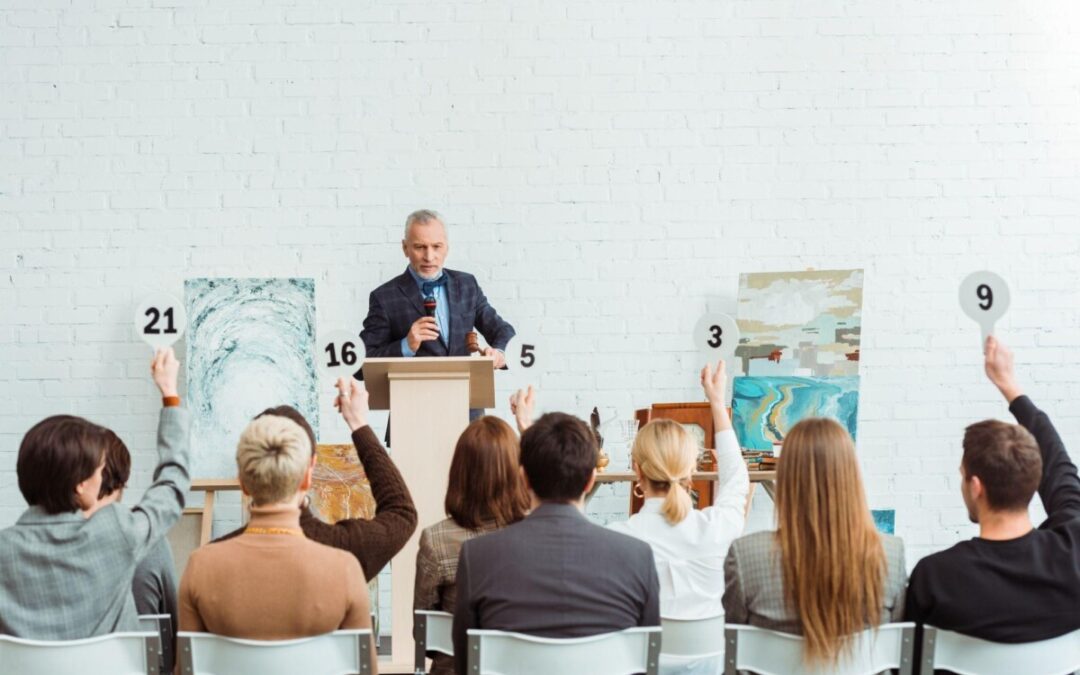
429,305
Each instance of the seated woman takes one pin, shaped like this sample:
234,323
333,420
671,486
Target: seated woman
689,545
825,573
272,582
372,541
66,566
484,494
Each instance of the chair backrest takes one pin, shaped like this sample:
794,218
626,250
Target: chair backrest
965,655
771,653
162,625
634,650
693,638
431,632
343,652
114,654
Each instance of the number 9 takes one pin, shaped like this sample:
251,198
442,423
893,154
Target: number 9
986,294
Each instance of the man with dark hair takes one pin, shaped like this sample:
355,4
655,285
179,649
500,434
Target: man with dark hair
1012,583
154,587
555,574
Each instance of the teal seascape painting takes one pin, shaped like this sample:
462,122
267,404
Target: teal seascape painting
884,520
765,408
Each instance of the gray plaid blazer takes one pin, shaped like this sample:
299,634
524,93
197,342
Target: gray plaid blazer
754,592
64,577
396,305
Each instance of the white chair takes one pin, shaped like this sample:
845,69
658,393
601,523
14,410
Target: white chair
634,650
114,654
965,655
431,632
162,625
891,646
693,638
343,652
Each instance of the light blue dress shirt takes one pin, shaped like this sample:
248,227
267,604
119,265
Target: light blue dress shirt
442,310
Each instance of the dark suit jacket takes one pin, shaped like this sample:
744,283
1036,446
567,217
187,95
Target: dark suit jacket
554,574
396,305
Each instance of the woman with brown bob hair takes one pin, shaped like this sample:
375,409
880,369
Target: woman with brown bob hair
825,573
484,494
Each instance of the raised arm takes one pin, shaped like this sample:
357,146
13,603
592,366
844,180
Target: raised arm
734,482
1059,488
374,542
163,502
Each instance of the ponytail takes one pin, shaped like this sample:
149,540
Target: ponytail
677,503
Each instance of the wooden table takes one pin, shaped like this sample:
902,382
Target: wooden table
766,478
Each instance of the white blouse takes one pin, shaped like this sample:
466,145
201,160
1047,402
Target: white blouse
690,554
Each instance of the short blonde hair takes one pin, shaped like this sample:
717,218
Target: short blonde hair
666,453
272,456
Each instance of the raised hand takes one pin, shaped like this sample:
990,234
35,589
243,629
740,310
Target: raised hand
165,370
999,368
352,402
522,404
714,383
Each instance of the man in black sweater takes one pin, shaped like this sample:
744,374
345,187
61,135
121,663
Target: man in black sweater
1012,583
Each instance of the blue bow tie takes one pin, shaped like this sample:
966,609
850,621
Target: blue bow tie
428,287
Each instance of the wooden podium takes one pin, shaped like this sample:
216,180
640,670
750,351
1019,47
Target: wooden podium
429,400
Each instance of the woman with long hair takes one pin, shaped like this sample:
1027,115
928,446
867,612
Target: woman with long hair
689,545
825,573
484,493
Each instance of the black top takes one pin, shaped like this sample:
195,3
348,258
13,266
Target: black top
1020,590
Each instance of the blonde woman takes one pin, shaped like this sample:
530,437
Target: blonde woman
825,573
689,545
272,582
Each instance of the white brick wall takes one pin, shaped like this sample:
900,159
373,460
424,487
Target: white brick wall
609,169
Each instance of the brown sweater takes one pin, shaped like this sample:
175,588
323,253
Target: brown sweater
374,542
272,586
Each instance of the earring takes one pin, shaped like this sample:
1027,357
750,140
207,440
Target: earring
638,492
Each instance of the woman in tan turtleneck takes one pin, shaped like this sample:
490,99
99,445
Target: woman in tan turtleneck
272,583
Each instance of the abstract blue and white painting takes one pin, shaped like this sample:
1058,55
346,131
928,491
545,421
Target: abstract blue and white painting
765,408
250,346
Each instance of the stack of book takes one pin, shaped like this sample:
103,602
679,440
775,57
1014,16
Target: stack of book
759,460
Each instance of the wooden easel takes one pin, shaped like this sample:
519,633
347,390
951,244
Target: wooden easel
211,486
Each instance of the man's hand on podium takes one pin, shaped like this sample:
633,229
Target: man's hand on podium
522,403
500,358
352,402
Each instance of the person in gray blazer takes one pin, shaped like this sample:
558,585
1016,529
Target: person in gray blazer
555,574
826,572
66,566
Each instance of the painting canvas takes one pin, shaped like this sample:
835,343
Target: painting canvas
340,487
805,324
250,345
765,408
884,520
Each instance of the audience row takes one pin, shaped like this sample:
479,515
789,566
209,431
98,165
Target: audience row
516,551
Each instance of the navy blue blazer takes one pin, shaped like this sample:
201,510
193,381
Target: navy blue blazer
396,305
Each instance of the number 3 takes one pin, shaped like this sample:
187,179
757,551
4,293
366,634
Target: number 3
715,341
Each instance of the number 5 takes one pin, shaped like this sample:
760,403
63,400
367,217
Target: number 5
527,356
